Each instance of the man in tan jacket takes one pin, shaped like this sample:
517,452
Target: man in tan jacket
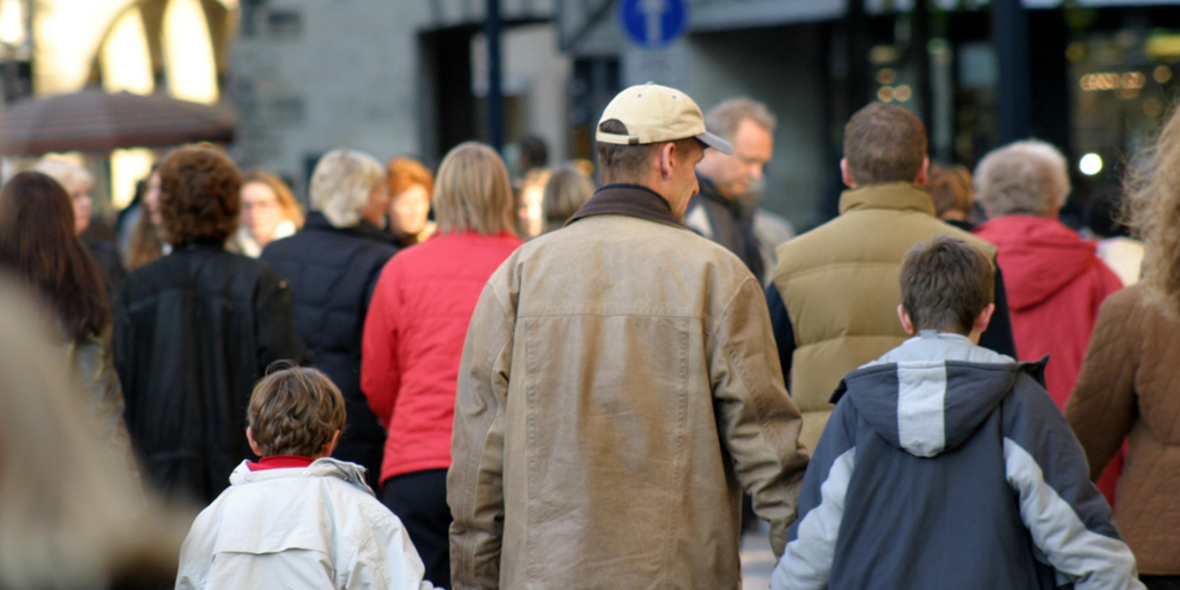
619,388
834,292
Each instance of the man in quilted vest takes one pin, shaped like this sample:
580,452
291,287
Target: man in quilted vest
834,293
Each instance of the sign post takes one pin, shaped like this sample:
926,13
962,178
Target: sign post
655,51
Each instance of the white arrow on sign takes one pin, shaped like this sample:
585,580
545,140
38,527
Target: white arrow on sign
654,11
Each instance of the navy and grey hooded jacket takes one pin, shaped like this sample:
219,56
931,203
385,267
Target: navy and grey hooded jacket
946,465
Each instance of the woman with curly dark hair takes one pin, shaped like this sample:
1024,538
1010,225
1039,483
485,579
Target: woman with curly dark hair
196,329
39,244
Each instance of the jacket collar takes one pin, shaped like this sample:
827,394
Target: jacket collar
628,199
902,196
317,221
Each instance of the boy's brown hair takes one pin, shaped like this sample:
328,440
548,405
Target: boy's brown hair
945,285
295,411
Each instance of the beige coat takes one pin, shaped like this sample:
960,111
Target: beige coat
1127,391
839,284
619,389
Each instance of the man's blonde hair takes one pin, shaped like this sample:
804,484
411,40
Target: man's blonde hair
1029,177
342,183
473,193
295,411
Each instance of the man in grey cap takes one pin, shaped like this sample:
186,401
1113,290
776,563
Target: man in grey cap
619,388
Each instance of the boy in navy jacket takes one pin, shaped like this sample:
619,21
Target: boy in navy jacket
947,465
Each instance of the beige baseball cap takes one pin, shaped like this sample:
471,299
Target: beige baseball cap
654,114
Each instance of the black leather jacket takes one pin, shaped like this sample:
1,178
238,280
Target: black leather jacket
194,331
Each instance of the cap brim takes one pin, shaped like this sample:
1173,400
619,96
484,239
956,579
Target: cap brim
716,143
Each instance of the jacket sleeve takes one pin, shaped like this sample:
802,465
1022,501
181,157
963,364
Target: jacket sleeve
1067,517
1102,407
386,559
278,339
757,421
380,371
998,335
475,481
811,540
784,332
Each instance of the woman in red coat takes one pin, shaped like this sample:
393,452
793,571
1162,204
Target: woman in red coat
414,337
1054,278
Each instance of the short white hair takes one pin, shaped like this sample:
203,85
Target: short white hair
70,176
1029,177
342,183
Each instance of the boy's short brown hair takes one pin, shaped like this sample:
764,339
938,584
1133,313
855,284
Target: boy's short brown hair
945,284
295,411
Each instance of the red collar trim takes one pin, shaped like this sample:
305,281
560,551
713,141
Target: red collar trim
279,462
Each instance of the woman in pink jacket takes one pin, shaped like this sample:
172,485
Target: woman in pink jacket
414,336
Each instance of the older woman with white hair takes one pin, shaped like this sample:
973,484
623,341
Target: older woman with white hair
78,183
1054,278
332,266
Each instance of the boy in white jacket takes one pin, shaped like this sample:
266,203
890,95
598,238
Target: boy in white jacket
298,518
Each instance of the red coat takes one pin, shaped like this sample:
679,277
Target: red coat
1055,284
414,335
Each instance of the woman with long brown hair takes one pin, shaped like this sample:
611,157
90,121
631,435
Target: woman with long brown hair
1126,389
38,243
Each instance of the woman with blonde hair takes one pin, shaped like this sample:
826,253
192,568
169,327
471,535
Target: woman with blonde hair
1126,389
414,336
269,212
410,186
565,192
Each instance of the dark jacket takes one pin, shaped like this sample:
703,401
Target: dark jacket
946,465
110,266
332,273
728,222
195,330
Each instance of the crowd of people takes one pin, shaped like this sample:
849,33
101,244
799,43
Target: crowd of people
453,379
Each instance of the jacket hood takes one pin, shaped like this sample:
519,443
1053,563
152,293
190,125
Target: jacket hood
1038,255
930,394
322,467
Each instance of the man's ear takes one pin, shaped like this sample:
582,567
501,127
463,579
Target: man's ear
667,160
923,173
845,174
906,323
253,443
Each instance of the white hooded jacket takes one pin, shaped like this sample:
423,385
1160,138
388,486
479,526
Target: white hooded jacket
314,527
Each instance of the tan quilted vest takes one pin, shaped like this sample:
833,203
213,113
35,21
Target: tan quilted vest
839,284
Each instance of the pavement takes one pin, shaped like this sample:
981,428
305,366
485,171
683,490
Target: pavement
757,558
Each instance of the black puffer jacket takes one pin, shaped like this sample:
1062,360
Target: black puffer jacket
332,272
194,331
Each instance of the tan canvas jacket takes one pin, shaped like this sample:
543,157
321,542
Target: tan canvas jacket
839,284
619,389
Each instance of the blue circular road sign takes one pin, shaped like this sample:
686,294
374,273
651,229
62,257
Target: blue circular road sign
653,23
